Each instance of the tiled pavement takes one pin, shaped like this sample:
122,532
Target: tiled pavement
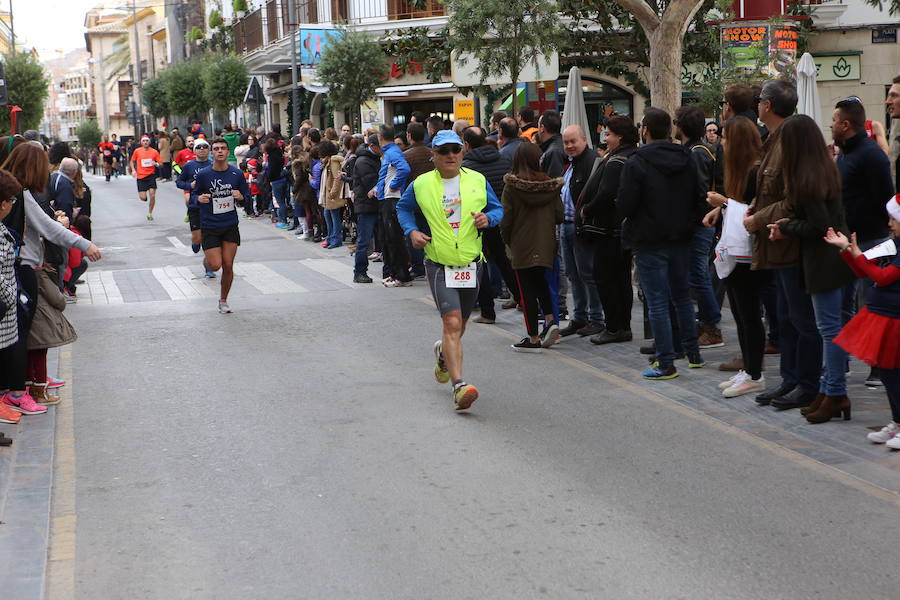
839,444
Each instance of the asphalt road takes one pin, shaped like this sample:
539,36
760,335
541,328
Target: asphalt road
300,448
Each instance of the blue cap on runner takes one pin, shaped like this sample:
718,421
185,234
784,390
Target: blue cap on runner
445,136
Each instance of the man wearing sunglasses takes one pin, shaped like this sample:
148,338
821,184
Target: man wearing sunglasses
457,203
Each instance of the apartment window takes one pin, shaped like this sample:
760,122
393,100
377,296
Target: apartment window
339,10
307,11
404,9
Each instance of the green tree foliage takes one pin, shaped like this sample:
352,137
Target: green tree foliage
184,88
353,64
88,133
415,48
504,36
239,5
27,87
225,81
195,34
155,95
215,19
893,6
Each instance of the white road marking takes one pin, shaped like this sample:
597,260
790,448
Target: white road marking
265,279
169,286
102,288
179,248
333,269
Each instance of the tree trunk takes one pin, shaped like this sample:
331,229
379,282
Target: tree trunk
666,44
515,96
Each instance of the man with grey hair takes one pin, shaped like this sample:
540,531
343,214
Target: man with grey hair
578,246
459,126
62,187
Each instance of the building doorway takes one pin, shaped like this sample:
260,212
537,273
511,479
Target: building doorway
598,95
402,111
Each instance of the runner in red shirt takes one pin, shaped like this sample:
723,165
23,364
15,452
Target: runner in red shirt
107,150
185,154
144,162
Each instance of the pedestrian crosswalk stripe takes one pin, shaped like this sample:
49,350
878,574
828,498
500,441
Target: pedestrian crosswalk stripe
172,289
334,269
265,279
102,288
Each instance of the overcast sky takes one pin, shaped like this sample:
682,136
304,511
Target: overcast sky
50,25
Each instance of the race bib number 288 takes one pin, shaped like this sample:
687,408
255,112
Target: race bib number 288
461,277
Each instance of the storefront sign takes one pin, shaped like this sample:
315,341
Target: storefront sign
465,109
771,49
466,75
884,35
842,67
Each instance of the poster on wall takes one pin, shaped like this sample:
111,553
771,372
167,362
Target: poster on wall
771,49
312,43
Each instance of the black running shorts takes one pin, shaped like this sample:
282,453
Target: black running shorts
213,238
147,183
194,217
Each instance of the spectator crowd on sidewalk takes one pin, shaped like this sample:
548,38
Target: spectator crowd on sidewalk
794,231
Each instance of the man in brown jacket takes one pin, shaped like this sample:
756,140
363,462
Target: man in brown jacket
418,155
801,344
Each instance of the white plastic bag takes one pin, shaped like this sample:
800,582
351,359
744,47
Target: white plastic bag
735,242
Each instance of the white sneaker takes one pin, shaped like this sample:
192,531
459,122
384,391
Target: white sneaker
887,434
738,377
393,283
893,443
745,386
224,308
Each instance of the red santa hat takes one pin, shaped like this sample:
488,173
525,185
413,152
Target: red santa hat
893,207
252,163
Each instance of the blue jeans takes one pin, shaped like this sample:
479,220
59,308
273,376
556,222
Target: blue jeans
710,313
335,226
365,231
801,344
664,277
280,194
579,262
827,307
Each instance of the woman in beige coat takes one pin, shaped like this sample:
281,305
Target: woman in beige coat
332,189
50,329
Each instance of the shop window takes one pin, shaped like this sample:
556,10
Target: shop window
599,98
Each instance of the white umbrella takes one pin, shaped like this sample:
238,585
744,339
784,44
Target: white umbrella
574,112
807,92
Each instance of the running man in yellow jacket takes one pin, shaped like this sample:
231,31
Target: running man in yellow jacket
455,203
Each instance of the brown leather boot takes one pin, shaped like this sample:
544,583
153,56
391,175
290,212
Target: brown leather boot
41,395
831,407
814,406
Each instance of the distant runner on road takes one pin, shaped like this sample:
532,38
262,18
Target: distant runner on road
144,162
217,188
107,150
185,182
456,203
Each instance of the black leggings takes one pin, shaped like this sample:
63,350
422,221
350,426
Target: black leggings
744,287
14,358
612,274
495,252
891,380
533,290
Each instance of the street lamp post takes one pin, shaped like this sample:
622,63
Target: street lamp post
295,92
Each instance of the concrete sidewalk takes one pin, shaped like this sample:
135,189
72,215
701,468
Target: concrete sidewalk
26,477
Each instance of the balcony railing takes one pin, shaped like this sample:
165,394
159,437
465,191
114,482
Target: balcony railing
248,32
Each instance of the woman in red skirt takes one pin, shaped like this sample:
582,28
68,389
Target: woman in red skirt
873,335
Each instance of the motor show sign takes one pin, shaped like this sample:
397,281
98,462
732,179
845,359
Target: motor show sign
761,46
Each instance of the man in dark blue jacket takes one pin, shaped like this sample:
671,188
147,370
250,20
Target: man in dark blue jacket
391,183
365,178
659,197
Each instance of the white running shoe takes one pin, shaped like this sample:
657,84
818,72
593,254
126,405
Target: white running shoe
745,386
887,433
736,378
224,308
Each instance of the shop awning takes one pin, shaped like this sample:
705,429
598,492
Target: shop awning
521,100
403,90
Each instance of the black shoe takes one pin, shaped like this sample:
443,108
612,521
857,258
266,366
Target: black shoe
591,328
874,378
292,227
572,328
527,346
649,348
362,278
795,399
5,441
766,398
611,337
